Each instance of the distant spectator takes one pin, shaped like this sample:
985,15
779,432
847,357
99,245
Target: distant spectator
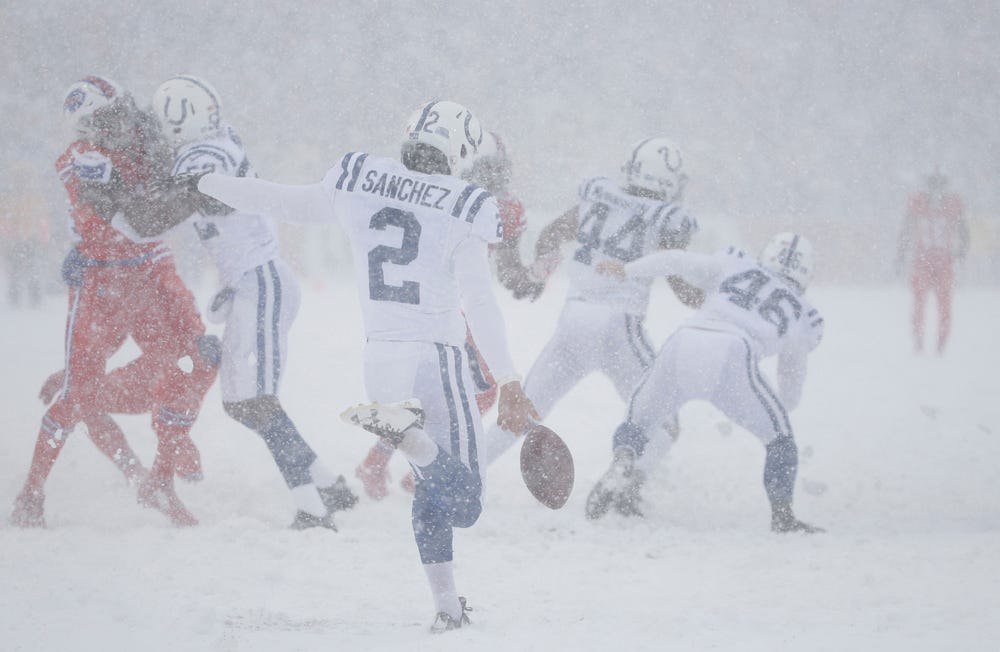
933,237
24,233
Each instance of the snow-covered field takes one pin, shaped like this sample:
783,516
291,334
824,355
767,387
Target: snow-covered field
900,462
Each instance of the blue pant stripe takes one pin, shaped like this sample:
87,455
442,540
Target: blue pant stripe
470,428
275,328
261,339
449,398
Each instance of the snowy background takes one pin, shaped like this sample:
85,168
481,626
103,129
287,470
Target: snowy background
818,116
899,462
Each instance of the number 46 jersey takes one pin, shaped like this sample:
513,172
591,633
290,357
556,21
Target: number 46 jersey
742,298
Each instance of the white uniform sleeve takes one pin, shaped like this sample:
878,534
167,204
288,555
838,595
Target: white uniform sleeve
486,322
310,203
700,270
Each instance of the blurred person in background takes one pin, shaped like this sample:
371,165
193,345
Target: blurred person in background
24,234
934,236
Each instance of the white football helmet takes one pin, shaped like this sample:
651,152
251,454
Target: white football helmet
85,97
188,108
449,128
657,166
791,256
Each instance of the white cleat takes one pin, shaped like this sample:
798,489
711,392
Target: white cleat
387,420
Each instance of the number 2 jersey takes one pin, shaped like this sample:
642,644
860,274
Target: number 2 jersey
237,242
419,242
615,225
742,298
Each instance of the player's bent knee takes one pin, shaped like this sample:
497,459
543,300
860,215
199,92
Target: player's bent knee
210,349
254,413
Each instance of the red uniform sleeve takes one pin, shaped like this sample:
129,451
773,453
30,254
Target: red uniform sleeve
512,218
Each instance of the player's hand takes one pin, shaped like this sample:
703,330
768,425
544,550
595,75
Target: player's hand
544,266
51,386
611,268
516,411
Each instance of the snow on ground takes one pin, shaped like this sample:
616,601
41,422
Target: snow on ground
900,461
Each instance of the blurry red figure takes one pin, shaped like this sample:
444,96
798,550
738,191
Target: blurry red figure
934,236
121,285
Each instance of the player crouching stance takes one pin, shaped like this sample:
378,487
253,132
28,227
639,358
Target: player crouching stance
752,310
420,235
260,295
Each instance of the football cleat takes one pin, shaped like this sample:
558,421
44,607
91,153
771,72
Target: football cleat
306,521
619,488
783,520
443,622
29,509
163,498
187,460
387,420
338,496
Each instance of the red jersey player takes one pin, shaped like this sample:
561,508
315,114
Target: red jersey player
121,285
934,234
492,171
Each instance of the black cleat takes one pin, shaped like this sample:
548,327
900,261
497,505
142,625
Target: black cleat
783,520
620,488
445,623
338,496
305,521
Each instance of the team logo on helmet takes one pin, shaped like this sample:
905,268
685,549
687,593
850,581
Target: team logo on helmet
74,100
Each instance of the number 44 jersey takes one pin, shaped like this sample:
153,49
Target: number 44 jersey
615,225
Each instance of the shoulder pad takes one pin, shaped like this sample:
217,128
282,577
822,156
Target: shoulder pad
589,185
350,170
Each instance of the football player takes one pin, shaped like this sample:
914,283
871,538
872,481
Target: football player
420,235
934,236
491,169
601,325
121,284
753,309
258,300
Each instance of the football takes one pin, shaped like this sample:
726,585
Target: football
547,466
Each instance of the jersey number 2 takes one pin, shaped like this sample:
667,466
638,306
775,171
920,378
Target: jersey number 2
406,253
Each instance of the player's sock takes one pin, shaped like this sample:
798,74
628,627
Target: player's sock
307,499
418,447
441,578
322,476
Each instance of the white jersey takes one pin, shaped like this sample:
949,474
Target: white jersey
614,225
420,246
404,226
237,243
742,298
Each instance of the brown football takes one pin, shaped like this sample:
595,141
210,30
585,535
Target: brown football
547,466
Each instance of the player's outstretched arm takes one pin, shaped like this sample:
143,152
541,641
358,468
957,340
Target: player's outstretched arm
309,203
554,234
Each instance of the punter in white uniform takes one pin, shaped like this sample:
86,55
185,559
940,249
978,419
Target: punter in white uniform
419,237
258,300
601,325
752,310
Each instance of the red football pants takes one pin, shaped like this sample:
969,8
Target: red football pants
170,378
935,276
